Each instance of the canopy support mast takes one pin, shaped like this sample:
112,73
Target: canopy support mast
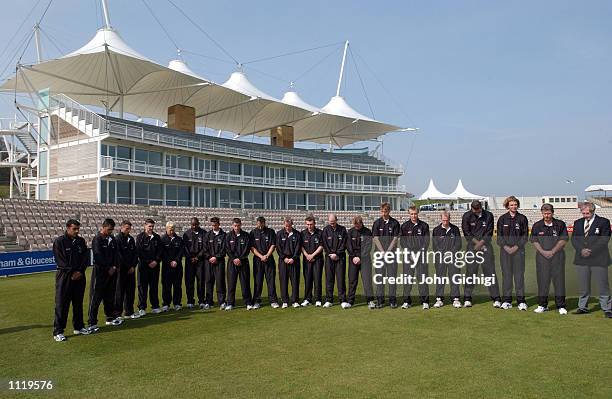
107,22
39,56
346,43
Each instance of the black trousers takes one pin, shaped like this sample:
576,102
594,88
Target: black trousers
387,270
68,291
102,290
547,271
488,269
447,270
335,271
242,272
126,292
194,276
261,269
513,271
288,272
172,287
215,276
353,279
148,283
417,272
313,278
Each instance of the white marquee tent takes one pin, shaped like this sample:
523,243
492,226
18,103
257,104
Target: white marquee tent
432,193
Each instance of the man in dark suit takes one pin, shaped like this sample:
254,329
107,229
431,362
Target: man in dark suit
590,239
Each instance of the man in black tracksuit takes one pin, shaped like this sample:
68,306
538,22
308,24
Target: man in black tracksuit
288,246
72,258
386,233
512,235
149,248
104,276
446,239
415,237
359,246
193,239
238,247
213,253
334,238
312,262
477,225
549,237
263,241
172,268
126,280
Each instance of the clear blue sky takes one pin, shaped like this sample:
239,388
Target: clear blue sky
513,97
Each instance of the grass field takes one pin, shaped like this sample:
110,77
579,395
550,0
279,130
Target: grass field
309,352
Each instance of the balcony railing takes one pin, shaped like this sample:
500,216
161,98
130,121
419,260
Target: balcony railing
110,164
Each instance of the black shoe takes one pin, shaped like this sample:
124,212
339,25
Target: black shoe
380,305
608,314
582,311
393,306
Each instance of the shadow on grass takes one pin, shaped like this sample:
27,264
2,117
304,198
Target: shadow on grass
10,330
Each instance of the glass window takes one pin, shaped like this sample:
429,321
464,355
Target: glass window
253,170
124,192
354,203
275,200
296,174
148,194
141,155
371,180
275,173
296,201
335,202
171,195
207,197
232,168
184,196
124,152
253,199
230,198
155,158
317,176
103,194
316,201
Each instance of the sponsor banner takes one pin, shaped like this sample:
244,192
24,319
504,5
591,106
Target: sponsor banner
26,262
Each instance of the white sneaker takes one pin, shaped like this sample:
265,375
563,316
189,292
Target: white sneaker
142,312
467,304
178,307
425,306
371,305
249,307
135,315
306,303
505,305
328,305
82,331
156,311
228,308
285,306
223,306
457,303
59,338
256,306
439,303
522,306
542,309
318,304
93,329
191,306
406,305
202,306
345,305
562,311
497,304
205,307
274,305
115,322
296,305
163,309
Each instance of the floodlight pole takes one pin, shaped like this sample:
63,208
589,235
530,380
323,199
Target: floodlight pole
346,43
107,22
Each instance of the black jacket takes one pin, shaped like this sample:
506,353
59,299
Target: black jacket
312,241
263,239
105,252
512,231
480,228
149,248
415,236
597,240
71,255
386,231
445,241
194,243
334,240
238,246
173,249
126,249
548,236
359,242
288,247
214,245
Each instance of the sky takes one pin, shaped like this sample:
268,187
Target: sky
512,97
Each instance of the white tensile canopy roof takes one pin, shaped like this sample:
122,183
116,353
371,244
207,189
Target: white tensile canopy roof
599,187
106,72
432,193
461,193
